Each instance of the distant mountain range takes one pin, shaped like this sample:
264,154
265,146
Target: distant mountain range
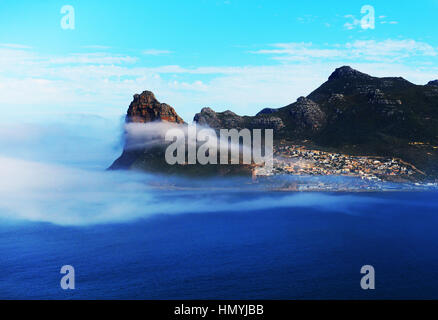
351,112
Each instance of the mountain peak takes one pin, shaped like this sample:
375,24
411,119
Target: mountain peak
433,83
347,72
304,100
146,108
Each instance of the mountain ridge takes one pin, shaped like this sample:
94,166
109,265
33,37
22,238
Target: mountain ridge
352,112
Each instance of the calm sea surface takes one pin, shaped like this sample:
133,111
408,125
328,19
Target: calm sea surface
297,252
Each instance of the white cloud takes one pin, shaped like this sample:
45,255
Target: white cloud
352,23
307,18
155,52
394,50
96,46
14,46
299,51
92,58
386,50
104,83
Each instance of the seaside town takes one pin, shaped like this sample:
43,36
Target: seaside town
316,170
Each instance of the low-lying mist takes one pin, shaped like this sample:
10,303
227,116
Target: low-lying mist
55,172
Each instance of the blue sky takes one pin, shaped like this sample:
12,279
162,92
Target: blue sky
236,54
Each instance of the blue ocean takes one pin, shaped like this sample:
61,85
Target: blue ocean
275,253
128,237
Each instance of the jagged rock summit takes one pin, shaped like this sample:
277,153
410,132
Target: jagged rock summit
347,72
150,156
146,108
230,120
218,120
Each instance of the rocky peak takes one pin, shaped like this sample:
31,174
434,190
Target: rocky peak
266,111
306,114
433,83
207,110
230,120
347,72
218,120
146,108
229,113
207,117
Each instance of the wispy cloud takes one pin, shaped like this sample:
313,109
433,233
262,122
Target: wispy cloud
92,58
392,50
298,51
14,46
307,18
386,50
384,20
352,22
97,46
388,22
155,52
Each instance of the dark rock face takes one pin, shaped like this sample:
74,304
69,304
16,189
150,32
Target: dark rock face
376,96
307,115
266,111
346,73
219,120
271,122
433,83
230,120
207,117
384,106
379,116
336,98
146,108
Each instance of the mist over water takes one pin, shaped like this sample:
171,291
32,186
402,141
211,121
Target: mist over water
55,171
72,196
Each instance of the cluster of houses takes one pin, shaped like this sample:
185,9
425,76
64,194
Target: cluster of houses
298,160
